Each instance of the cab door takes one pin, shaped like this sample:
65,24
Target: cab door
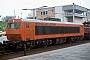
32,31
27,31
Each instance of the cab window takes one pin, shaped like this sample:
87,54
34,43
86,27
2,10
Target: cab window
14,25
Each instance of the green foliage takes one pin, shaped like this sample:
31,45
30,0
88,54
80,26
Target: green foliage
3,26
4,19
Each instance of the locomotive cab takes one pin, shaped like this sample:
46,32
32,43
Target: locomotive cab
14,29
87,29
18,30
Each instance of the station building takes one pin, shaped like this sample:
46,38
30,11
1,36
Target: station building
67,13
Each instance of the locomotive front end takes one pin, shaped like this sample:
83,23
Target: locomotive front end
13,30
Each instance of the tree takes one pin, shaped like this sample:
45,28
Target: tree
2,26
4,19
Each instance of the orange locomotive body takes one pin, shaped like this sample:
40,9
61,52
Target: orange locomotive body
43,31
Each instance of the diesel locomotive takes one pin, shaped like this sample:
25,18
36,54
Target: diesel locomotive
43,33
86,30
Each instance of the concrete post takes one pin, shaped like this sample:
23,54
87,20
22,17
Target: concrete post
73,12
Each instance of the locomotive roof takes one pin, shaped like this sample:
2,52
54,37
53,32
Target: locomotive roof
36,20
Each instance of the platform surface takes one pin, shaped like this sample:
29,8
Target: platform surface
79,52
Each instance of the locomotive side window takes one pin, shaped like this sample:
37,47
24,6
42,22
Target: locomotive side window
40,30
87,25
13,25
47,30
27,25
44,30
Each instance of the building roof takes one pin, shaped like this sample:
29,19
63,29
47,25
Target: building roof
76,8
45,8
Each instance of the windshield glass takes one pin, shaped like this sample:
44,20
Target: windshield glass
87,25
14,25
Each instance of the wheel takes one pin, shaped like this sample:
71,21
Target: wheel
45,43
68,40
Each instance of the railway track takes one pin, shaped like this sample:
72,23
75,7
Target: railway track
11,54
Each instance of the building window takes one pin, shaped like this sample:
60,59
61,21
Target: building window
52,10
46,12
41,13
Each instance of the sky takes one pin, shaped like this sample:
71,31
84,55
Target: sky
7,7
